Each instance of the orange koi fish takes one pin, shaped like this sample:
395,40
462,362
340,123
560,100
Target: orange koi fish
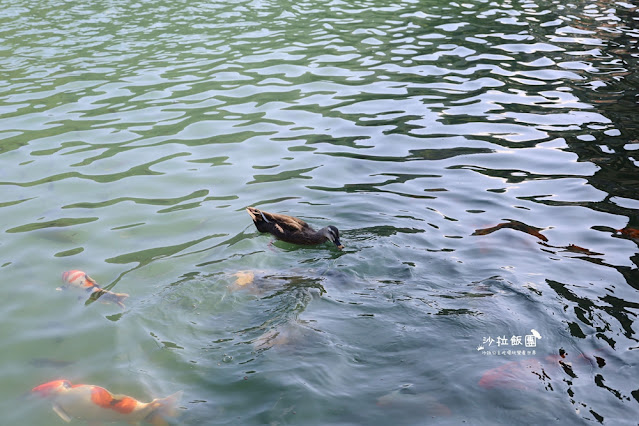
95,404
81,280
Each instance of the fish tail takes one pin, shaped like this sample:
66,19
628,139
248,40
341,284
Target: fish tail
119,298
164,407
109,296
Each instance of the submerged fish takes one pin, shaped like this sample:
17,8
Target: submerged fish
243,278
96,404
527,373
81,280
514,375
405,398
272,338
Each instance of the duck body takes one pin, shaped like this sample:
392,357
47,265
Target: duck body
292,230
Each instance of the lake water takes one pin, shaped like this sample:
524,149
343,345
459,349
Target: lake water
481,159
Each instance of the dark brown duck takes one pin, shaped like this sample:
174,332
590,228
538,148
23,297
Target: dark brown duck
292,230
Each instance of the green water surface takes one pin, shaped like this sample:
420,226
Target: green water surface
479,158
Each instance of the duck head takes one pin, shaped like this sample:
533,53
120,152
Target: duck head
332,234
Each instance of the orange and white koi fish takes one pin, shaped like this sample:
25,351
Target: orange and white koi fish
79,279
95,404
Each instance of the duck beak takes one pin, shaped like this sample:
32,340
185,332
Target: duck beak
339,244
